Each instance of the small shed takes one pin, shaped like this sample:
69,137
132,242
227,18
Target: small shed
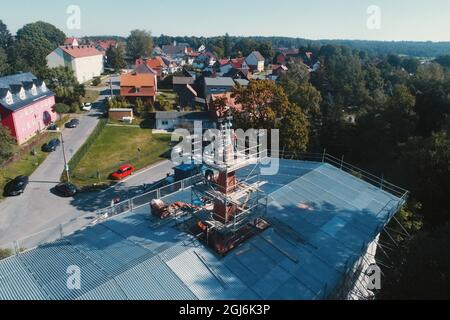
121,114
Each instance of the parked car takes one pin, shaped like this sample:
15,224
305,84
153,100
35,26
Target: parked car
16,187
87,106
53,127
65,190
72,124
51,145
123,172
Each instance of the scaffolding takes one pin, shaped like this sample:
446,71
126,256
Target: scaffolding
228,210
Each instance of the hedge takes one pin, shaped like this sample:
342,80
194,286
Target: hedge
86,146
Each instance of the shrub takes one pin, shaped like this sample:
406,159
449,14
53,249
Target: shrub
97,81
61,108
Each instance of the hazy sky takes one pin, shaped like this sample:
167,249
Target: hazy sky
312,19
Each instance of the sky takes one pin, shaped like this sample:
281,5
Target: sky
424,20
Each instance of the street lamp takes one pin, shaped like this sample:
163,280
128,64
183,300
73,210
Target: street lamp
66,165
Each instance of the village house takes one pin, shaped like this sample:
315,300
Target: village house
156,64
135,86
26,105
256,61
184,87
172,120
204,60
217,85
175,51
84,60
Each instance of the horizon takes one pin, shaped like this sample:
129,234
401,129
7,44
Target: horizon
353,20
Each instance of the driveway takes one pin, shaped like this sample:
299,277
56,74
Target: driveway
38,209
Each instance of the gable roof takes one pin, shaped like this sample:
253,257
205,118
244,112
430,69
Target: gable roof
258,56
170,49
106,44
15,83
144,68
70,41
81,51
137,80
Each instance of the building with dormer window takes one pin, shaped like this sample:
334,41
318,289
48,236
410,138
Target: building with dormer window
26,105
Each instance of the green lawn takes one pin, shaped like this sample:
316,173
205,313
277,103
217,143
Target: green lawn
116,146
90,96
27,163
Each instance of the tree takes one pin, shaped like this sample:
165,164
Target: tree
426,166
266,49
421,267
116,57
263,103
33,43
244,47
443,60
4,67
6,38
294,136
139,107
227,46
140,44
6,143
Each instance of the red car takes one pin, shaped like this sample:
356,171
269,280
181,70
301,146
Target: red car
123,172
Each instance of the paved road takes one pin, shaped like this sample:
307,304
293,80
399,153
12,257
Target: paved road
38,209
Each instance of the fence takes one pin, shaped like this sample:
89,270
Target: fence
36,143
87,220
374,180
137,202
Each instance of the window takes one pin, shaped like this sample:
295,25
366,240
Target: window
137,90
34,90
165,123
43,87
9,98
22,94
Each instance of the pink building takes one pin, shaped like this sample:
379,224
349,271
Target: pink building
26,105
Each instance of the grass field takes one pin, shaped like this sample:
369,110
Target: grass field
116,146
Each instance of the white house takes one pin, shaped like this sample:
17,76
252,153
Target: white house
85,61
256,61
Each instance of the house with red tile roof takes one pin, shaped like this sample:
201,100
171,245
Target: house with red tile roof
84,60
71,42
138,85
156,64
104,45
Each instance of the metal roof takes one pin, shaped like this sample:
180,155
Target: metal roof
320,217
219,82
15,83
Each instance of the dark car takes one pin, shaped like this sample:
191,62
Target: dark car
51,145
53,127
65,190
72,124
16,187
